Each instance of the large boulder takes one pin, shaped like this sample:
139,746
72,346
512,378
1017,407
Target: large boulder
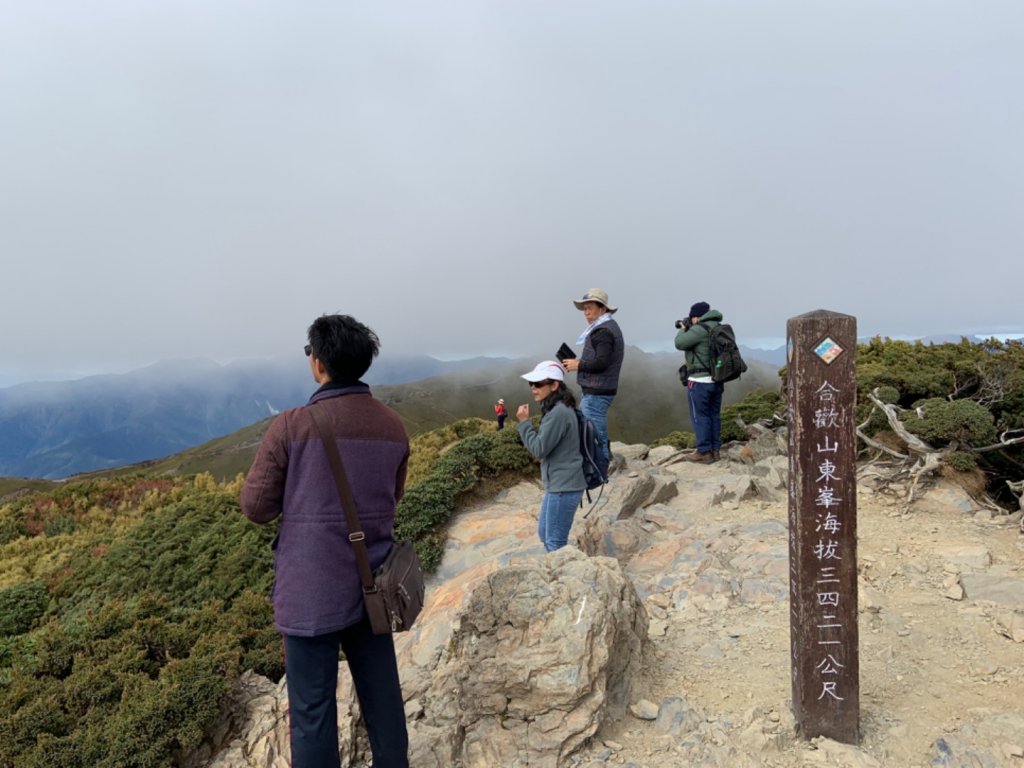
258,715
541,655
945,498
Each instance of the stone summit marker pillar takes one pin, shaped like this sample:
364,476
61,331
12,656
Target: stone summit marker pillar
821,349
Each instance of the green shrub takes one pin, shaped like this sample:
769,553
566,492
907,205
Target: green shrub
39,714
678,440
914,369
60,525
467,427
11,529
427,447
428,504
961,461
148,623
761,404
20,606
967,393
505,453
991,373
888,395
941,422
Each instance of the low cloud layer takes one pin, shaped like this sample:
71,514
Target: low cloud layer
196,180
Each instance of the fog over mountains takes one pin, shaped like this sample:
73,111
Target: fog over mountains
56,429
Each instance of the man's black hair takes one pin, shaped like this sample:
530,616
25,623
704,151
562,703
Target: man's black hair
345,346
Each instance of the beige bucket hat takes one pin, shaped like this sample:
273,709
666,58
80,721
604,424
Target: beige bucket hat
595,294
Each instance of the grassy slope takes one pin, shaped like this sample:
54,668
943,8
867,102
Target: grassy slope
130,605
650,404
9,485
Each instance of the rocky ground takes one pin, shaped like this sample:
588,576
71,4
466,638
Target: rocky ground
941,630
941,619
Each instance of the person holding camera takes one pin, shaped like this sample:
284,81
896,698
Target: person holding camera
703,392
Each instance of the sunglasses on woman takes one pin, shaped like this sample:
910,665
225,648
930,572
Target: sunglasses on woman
539,384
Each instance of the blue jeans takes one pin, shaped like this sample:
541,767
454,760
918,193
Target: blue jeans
595,408
311,664
557,510
706,413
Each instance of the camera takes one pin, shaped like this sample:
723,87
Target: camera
684,323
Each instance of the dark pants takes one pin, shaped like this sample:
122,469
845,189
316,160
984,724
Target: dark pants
706,414
311,664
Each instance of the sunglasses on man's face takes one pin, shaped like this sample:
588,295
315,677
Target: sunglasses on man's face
308,349
539,384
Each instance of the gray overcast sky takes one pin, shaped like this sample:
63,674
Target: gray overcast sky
200,179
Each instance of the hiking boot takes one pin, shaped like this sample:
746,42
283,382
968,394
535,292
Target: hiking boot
717,455
701,457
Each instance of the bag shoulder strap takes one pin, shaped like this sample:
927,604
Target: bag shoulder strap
355,532
710,352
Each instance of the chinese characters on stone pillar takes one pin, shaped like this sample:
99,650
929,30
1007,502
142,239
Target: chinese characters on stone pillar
828,500
822,394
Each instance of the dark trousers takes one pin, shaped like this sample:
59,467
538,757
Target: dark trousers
311,664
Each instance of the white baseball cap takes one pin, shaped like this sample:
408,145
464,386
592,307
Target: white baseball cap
549,369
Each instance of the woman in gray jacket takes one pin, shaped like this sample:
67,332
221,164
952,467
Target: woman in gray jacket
557,444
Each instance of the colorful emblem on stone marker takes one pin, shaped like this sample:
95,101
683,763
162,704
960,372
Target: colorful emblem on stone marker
828,350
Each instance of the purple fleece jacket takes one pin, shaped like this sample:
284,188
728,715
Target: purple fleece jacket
317,588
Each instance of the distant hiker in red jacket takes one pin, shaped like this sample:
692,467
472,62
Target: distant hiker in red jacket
501,412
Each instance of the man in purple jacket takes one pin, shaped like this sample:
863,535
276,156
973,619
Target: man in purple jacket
318,598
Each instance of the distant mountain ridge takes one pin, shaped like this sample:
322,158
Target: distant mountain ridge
56,429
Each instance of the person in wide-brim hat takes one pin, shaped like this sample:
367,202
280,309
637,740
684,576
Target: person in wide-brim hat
599,364
598,296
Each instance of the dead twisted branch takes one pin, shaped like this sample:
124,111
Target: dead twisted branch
926,459
1006,439
874,443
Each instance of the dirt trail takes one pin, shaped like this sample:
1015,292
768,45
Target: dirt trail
931,665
